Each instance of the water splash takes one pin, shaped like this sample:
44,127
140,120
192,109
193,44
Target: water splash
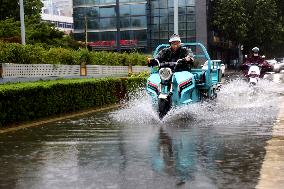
137,109
237,103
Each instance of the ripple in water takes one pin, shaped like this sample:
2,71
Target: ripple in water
237,103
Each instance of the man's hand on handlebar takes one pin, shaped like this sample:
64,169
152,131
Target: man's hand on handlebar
189,58
152,62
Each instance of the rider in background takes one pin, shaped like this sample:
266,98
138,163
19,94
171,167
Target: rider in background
257,60
173,54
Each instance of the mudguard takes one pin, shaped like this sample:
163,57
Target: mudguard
152,87
184,84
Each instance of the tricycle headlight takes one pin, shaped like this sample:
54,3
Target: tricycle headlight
165,73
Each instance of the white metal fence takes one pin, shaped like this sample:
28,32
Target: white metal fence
106,70
39,70
10,70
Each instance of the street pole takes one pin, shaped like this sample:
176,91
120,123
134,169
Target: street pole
86,33
22,18
118,48
176,16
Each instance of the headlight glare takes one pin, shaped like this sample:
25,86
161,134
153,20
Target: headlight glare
165,73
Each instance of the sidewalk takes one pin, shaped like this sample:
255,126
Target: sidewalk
272,170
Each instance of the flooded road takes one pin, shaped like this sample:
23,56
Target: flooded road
209,145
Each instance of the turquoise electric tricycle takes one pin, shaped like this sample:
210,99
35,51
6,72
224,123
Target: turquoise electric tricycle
169,88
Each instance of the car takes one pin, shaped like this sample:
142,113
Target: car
272,61
222,66
279,65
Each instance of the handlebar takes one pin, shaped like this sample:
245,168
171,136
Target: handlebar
167,64
253,64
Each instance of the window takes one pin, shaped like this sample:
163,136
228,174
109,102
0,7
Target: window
138,9
125,22
93,24
164,27
139,21
191,26
164,20
92,12
164,35
190,18
93,36
107,1
190,10
79,12
182,10
90,2
79,36
190,2
107,12
170,3
163,3
78,2
124,10
79,24
108,36
107,23
126,35
140,35
156,20
164,12
182,25
181,3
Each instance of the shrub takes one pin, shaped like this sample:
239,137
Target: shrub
29,101
38,54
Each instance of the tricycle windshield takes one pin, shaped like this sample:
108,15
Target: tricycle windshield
199,52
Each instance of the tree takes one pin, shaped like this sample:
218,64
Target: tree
9,28
11,9
230,20
252,23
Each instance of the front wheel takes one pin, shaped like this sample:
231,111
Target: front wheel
164,107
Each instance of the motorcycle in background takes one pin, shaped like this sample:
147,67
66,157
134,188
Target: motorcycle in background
253,74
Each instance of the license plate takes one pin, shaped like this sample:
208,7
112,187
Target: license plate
163,96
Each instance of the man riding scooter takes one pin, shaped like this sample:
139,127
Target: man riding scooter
173,54
173,84
257,60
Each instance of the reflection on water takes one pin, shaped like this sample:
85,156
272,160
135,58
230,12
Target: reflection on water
220,145
92,154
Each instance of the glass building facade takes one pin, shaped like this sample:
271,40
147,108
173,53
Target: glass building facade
143,24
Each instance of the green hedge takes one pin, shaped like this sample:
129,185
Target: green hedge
36,54
29,101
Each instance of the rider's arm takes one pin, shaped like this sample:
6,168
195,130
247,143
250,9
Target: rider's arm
188,57
160,57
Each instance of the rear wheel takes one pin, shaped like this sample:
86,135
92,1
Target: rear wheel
164,107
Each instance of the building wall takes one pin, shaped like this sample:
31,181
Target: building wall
162,20
57,7
150,22
201,21
63,23
99,18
